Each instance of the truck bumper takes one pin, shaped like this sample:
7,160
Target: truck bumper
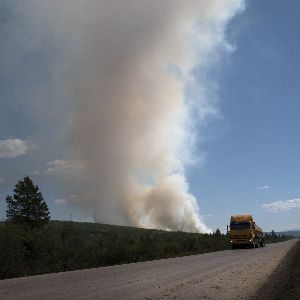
242,242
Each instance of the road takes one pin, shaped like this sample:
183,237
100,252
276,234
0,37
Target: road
227,274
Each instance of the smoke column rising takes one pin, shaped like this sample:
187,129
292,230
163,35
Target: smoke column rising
130,63
131,122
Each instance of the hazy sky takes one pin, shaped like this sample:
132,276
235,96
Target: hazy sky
247,149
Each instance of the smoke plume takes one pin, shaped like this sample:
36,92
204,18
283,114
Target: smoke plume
129,70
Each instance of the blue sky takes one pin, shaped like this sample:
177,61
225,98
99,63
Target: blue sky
256,142
252,148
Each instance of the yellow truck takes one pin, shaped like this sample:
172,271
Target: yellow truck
244,232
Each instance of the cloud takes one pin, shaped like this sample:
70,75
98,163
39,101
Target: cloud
264,187
207,215
65,168
11,148
60,201
35,173
282,205
1,180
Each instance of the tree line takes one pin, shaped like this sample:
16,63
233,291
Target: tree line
31,244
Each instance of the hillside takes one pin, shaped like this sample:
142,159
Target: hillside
64,246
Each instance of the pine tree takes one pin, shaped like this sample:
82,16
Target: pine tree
218,233
27,207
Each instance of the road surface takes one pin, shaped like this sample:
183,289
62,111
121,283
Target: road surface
227,274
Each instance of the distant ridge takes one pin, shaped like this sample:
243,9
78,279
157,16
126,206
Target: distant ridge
295,232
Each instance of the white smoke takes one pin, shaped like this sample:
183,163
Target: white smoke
129,66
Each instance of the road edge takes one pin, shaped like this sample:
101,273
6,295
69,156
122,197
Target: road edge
284,281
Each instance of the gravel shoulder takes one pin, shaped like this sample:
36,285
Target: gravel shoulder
237,274
284,282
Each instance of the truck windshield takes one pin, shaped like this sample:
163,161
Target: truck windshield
240,225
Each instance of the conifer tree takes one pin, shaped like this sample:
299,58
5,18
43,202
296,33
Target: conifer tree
218,233
27,206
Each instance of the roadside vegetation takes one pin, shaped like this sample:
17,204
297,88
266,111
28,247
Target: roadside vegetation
31,244
63,246
274,237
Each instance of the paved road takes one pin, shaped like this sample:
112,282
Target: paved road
220,275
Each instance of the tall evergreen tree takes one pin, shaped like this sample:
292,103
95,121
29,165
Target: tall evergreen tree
27,206
218,233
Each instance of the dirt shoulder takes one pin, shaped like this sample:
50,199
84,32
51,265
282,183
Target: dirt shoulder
284,281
